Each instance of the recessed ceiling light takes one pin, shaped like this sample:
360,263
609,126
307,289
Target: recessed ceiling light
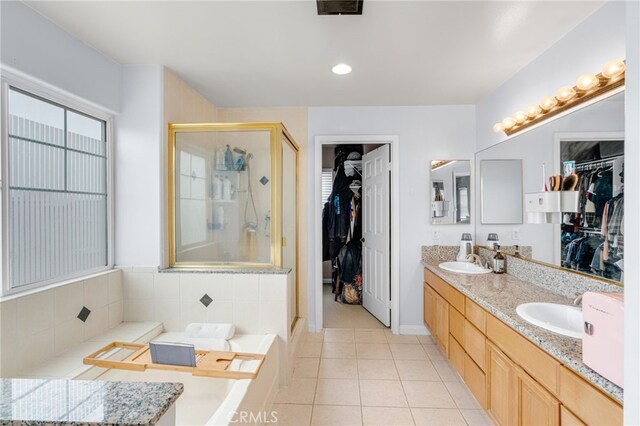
341,69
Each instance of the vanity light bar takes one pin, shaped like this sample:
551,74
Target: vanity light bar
588,86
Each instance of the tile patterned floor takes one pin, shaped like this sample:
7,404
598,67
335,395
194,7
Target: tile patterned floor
371,377
337,315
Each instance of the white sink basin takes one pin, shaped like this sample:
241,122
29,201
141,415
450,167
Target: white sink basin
561,319
464,268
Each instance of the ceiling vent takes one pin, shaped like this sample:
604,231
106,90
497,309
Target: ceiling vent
339,7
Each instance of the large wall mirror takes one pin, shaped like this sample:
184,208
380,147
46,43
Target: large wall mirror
588,143
501,180
450,192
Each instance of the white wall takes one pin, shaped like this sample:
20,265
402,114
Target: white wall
535,148
425,134
632,228
587,48
32,44
138,167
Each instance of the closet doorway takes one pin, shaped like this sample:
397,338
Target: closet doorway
356,282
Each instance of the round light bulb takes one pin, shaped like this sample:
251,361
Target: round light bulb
548,102
587,81
565,93
498,128
341,69
520,117
508,123
613,69
533,111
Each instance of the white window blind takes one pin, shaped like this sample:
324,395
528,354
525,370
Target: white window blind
327,184
57,212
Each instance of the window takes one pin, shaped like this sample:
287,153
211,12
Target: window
327,185
193,207
57,206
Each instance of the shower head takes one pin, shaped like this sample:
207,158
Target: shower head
238,150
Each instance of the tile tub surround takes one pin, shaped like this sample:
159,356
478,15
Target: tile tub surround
39,402
547,277
44,323
501,294
222,270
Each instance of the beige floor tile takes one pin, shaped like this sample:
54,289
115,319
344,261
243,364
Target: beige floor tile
427,394
377,369
339,335
337,392
462,396
299,391
410,369
309,350
398,338
446,371
370,336
373,351
338,368
306,367
434,353
382,393
338,350
407,351
314,337
476,418
336,415
386,416
337,315
426,340
292,414
438,417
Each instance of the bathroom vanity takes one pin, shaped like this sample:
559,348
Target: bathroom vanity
43,401
519,373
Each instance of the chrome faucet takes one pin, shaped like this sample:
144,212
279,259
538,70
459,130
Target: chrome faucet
578,300
475,259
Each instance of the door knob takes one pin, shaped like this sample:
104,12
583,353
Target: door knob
362,240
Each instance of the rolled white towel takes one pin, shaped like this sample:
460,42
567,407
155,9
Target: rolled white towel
210,331
203,344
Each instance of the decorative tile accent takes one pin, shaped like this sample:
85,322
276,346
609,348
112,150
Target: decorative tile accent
84,314
264,180
206,300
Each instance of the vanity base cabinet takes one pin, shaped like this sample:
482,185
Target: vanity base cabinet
442,323
534,406
567,418
500,382
476,381
456,355
428,306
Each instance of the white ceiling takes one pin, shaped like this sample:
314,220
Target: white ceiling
280,53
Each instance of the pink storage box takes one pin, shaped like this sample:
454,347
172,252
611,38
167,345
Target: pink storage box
603,334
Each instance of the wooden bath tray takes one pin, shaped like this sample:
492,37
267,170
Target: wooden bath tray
208,363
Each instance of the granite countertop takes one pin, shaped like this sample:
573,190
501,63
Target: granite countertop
84,402
227,270
501,294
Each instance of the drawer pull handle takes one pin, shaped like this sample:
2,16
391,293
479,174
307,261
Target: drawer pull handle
588,328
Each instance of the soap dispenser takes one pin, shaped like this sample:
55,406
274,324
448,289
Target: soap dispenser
466,247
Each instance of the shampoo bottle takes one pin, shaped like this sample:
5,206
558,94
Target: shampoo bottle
226,188
499,262
217,188
228,159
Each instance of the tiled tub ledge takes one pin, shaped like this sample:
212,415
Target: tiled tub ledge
80,402
225,270
501,294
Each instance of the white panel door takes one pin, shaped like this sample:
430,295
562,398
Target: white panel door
376,250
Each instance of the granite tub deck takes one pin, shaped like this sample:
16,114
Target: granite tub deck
84,402
501,294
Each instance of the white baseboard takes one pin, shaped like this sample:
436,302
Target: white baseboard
327,281
419,330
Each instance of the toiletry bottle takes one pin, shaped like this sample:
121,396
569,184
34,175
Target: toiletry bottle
499,262
228,158
517,251
226,188
217,187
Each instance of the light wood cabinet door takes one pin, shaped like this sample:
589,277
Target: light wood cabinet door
500,386
535,405
428,307
442,323
567,418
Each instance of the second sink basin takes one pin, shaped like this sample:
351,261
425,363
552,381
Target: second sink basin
464,268
561,319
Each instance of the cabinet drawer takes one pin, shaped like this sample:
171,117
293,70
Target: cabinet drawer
476,381
594,407
567,418
450,294
475,314
542,367
456,355
456,325
475,344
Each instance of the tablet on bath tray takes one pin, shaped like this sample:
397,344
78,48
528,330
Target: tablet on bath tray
173,353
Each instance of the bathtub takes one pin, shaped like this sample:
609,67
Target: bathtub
211,401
